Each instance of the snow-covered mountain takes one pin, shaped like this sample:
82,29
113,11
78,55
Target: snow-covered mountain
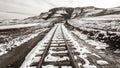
60,13
78,12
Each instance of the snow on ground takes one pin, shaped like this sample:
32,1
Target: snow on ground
29,58
51,52
105,17
83,50
82,36
18,26
97,44
3,52
102,62
92,12
96,25
17,42
66,67
55,58
49,66
49,57
117,51
6,15
80,49
96,55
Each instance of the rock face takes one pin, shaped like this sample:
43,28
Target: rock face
68,12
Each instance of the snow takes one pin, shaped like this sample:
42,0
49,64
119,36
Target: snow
17,42
82,36
89,66
18,26
36,59
79,64
28,38
92,12
66,67
49,66
96,55
32,67
50,51
101,52
36,50
97,44
3,52
55,58
102,62
75,57
105,17
49,57
82,50
79,48
96,25
92,42
117,51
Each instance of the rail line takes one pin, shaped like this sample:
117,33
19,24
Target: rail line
58,52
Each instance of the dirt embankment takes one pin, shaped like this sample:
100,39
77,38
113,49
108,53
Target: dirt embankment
15,57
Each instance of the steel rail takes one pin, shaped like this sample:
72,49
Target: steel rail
72,59
46,50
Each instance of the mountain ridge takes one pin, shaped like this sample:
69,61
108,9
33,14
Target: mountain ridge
71,13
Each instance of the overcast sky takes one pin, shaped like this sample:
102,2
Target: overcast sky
25,8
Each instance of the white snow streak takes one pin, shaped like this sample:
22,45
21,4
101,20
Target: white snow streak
18,26
102,62
97,44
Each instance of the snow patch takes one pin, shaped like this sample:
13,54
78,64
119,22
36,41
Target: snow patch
117,51
3,52
17,42
98,45
54,58
82,36
96,55
66,67
102,62
49,66
89,66
18,26
80,49
101,52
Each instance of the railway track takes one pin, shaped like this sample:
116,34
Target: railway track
58,52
